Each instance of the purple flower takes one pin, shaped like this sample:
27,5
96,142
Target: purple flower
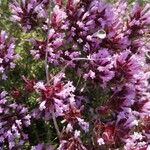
105,44
55,97
7,54
71,141
58,18
137,141
41,147
28,14
125,67
100,67
39,49
13,118
72,115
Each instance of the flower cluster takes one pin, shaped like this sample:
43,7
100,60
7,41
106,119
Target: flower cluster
13,119
7,54
28,13
128,104
55,41
100,67
58,99
105,46
41,147
71,141
54,96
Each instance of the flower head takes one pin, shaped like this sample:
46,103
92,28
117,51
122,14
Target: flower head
7,54
28,14
71,141
13,118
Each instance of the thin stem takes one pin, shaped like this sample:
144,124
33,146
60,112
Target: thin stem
74,59
55,124
47,68
46,53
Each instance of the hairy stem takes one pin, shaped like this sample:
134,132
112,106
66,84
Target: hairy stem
55,124
46,53
47,68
